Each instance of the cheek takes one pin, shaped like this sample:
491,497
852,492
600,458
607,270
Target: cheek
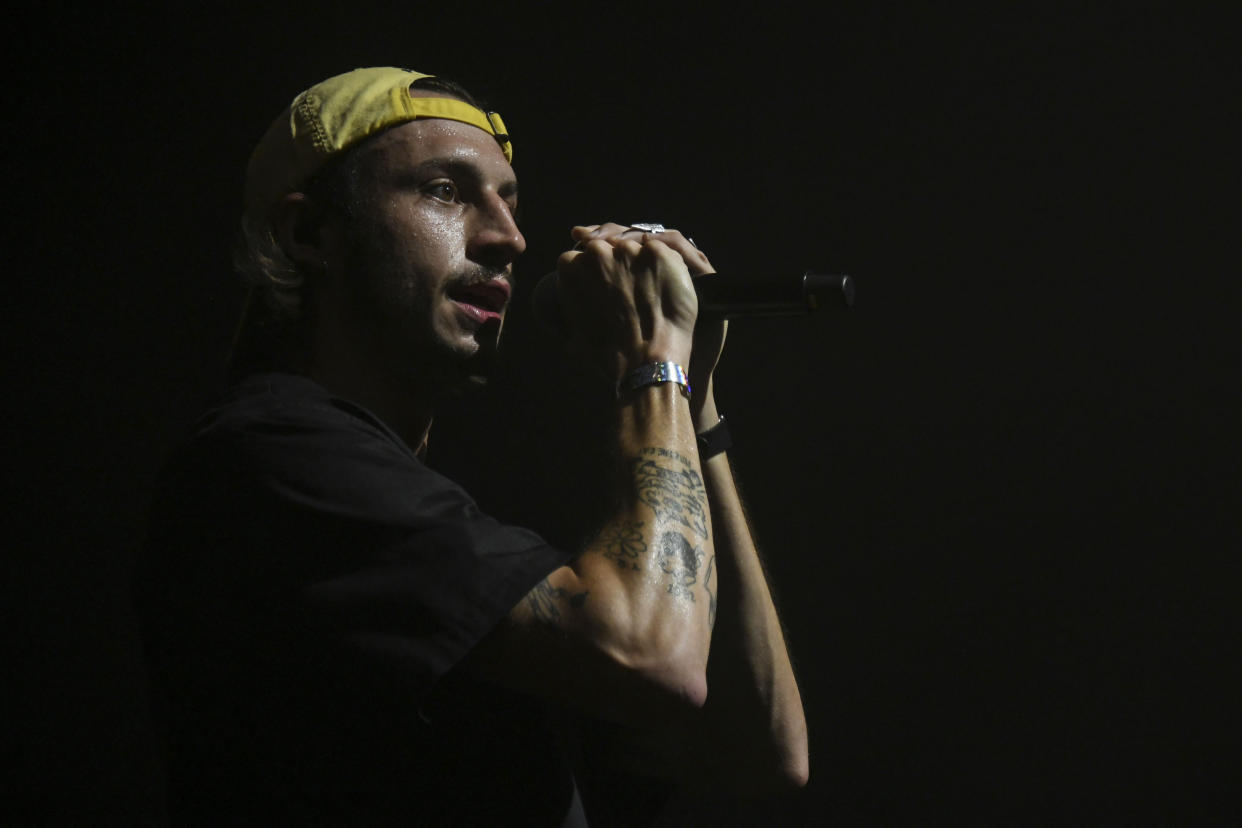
426,236
435,224
409,253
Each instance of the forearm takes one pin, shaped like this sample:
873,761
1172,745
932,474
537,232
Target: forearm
753,721
751,734
622,631
645,569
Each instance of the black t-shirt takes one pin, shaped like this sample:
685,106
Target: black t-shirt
307,587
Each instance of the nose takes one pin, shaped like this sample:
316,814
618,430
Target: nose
496,239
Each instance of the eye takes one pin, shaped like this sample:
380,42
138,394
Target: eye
442,190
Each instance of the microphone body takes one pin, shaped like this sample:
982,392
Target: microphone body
733,297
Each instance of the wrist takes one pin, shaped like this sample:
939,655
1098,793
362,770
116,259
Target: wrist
656,415
666,344
663,372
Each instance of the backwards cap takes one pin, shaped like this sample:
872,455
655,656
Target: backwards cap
334,115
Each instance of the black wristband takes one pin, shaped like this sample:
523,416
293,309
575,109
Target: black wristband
715,440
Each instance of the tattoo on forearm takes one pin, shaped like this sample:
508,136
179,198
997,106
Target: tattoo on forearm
678,558
544,601
624,544
674,491
667,483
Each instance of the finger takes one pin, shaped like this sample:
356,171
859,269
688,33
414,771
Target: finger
612,230
654,245
607,258
586,232
696,260
583,232
625,251
565,261
601,249
665,258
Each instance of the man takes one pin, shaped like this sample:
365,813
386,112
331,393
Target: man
337,635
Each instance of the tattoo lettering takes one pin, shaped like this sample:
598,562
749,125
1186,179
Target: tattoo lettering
544,598
624,544
673,493
681,560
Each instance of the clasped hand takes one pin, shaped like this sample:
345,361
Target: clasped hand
628,300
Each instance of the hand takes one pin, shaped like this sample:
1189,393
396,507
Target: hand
709,333
627,299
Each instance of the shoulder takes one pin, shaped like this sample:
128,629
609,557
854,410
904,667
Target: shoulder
281,438
279,457
279,404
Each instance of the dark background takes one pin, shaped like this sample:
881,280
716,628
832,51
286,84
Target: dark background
998,501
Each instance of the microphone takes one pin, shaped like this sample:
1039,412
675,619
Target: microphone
733,297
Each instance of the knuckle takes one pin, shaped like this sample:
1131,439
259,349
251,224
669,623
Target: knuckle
630,247
596,248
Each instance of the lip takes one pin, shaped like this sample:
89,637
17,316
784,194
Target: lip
484,300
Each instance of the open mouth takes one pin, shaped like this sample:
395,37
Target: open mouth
482,301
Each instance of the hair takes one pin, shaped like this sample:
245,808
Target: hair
277,291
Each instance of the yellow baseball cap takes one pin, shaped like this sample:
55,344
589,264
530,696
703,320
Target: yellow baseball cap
333,115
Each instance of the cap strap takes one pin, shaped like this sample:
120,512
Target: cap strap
455,110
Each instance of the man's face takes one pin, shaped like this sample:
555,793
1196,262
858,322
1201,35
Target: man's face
426,255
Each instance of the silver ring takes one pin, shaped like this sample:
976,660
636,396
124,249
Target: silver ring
648,227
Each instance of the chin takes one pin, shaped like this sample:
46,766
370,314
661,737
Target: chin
468,371
455,365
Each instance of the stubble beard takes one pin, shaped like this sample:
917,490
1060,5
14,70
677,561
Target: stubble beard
426,361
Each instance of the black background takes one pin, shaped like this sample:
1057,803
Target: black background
998,501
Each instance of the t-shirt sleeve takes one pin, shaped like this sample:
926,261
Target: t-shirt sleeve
307,532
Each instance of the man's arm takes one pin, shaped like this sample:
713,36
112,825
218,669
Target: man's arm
752,732
622,632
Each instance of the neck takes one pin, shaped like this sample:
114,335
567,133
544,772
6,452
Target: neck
402,408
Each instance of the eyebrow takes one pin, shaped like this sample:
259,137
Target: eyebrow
467,171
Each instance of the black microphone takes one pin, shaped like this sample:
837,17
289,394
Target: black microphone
733,297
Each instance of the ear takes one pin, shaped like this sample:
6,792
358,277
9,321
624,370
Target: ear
298,223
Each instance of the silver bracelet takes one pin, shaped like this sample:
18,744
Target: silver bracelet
654,373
